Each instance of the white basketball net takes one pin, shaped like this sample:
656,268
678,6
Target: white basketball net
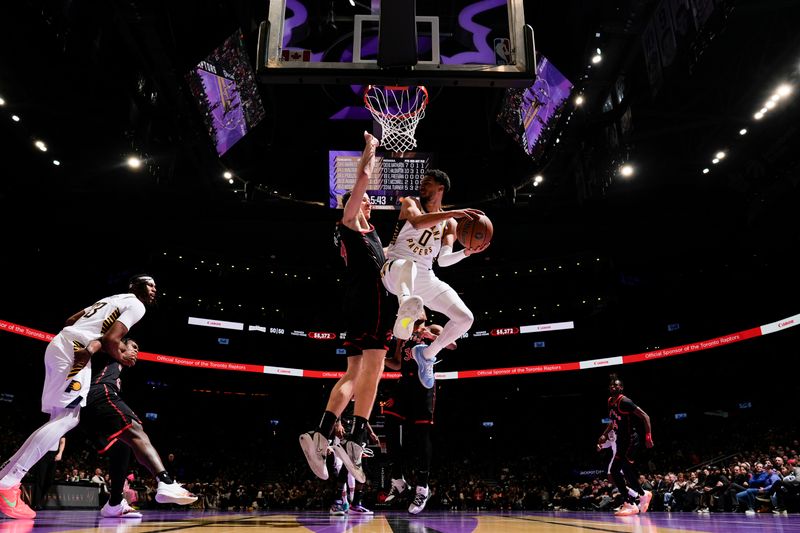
398,110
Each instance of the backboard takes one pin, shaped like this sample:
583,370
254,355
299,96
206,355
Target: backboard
479,43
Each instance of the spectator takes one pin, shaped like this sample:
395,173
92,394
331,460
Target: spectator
759,483
714,487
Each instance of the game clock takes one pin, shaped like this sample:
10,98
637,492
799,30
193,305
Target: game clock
393,177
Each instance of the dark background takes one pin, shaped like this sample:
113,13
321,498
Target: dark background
622,258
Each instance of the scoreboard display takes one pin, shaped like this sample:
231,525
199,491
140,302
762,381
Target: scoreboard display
392,178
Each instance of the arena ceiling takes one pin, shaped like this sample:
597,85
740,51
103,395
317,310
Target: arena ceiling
98,80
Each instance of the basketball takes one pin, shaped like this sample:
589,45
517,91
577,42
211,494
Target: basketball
474,233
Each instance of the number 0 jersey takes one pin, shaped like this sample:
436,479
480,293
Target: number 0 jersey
420,245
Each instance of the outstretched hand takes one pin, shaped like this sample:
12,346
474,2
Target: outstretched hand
128,355
472,214
371,140
478,249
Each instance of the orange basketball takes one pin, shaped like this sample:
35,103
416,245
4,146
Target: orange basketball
474,233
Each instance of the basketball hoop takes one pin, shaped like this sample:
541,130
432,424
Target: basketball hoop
398,109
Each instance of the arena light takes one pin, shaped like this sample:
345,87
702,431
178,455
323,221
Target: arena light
15,118
56,162
40,145
626,170
715,160
743,131
579,100
720,155
352,3
706,171
2,102
134,162
230,181
227,175
758,116
769,104
784,90
538,178
596,59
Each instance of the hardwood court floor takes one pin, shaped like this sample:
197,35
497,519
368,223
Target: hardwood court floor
444,522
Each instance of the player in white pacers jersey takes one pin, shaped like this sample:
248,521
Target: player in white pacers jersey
424,232
68,374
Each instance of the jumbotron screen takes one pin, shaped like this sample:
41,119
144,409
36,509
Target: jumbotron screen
392,178
225,90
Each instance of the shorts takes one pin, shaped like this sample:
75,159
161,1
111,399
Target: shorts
435,293
106,416
627,448
65,383
411,403
369,317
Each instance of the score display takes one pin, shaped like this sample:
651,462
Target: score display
392,178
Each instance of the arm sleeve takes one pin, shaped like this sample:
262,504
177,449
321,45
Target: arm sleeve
447,257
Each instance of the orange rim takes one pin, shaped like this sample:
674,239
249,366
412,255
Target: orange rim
422,106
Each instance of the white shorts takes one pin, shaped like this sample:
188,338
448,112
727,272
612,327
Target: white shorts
60,390
426,285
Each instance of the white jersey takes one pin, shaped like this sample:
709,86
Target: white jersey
420,245
97,319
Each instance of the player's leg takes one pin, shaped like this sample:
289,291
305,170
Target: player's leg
631,473
119,457
351,448
395,433
450,304
421,411
315,442
399,277
168,491
357,504
423,446
32,450
340,504
63,395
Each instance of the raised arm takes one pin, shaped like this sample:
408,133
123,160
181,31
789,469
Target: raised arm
363,173
410,210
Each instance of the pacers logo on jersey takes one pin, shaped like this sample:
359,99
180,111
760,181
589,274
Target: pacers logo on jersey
422,245
74,386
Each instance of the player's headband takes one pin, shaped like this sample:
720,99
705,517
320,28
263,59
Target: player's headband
139,280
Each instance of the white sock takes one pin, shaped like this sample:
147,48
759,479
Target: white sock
460,319
632,493
36,446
